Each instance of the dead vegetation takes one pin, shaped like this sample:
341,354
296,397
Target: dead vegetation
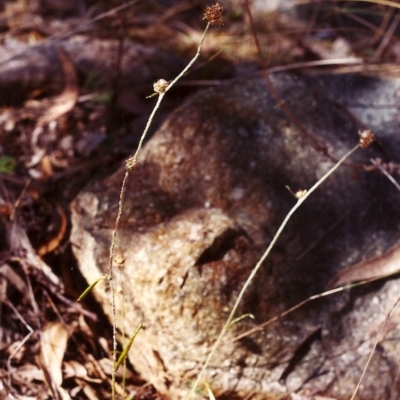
74,80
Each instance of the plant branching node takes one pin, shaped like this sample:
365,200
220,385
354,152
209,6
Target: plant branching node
213,14
298,194
131,163
160,86
366,138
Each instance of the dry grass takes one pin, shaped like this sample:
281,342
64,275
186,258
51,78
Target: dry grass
374,45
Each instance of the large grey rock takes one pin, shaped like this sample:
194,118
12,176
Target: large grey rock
375,102
205,201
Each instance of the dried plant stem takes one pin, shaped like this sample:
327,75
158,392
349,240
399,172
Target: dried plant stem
386,173
260,327
193,59
110,278
161,95
130,164
353,396
318,144
228,322
148,124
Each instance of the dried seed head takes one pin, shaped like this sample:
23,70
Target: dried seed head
131,163
160,86
366,138
300,193
213,14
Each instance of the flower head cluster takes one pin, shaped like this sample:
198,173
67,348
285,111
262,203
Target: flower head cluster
213,14
366,138
160,86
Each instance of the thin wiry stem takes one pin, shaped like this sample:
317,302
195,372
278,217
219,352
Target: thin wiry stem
309,299
110,277
227,324
193,59
146,129
378,338
131,163
384,172
161,95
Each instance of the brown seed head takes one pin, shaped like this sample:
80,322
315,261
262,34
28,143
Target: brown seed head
160,86
213,14
366,138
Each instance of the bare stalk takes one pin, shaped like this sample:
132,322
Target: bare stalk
378,338
301,198
212,15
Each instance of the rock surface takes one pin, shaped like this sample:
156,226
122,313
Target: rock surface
200,209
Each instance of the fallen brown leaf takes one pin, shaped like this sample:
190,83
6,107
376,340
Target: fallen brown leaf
382,265
21,247
53,346
66,100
